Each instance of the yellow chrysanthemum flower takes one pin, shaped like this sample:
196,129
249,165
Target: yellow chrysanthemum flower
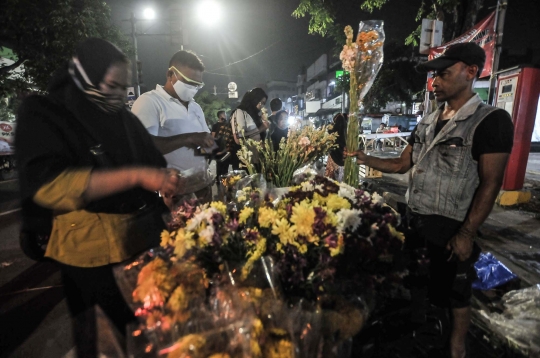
335,202
318,200
184,242
397,234
267,216
331,219
339,248
303,217
219,206
286,233
254,255
165,238
244,215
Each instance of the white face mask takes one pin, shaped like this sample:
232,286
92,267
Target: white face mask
184,91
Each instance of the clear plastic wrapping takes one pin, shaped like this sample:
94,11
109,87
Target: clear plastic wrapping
519,322
192,180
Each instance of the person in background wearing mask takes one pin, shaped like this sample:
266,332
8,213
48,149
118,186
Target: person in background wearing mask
275,105
248,122
335,161
176,122
89,175
281,130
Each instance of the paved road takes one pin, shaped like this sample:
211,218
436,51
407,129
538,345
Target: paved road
30,297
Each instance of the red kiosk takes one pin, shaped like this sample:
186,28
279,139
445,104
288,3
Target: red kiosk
518,90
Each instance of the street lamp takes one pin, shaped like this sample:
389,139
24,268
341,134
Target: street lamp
149,13
209,11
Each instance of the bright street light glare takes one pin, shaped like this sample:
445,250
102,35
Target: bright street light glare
209,12
149,13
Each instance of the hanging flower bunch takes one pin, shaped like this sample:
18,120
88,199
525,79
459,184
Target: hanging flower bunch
349,52
363,59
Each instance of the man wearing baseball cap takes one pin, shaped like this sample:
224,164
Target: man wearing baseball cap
456,159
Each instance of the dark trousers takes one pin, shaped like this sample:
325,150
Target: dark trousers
235,161
84,288
222,168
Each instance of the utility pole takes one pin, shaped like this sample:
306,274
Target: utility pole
132,20
500,15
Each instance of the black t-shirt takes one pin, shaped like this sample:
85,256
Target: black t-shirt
217,126
495,134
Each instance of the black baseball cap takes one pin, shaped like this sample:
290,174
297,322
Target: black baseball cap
467,52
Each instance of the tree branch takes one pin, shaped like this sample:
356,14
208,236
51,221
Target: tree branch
5,69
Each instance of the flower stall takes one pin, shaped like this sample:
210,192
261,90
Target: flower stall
269,274
288,265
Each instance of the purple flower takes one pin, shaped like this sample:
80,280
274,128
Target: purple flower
232,225
331,240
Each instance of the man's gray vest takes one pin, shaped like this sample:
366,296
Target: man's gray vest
444,177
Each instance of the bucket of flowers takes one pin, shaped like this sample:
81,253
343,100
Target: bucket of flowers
303,146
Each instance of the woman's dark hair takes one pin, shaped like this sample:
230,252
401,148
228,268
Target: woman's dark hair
249,104
340,123
96,56
187,58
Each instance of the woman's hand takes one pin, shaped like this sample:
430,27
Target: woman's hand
163,180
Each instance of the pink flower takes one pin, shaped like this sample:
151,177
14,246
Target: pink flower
304,142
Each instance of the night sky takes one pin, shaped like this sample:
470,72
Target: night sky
249,26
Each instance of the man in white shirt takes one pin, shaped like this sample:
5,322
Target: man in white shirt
176,122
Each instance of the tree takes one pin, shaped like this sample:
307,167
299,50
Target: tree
210,105
397,80
325,15
43,35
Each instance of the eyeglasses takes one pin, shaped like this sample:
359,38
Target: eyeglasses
198,85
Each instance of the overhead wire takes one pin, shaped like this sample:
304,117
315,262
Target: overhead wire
244,59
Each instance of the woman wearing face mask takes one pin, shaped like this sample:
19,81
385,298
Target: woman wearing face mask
335,162
281,130
248,121
89,176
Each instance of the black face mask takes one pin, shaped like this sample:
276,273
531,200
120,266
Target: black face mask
106,102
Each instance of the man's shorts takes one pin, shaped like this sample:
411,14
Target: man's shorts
450,283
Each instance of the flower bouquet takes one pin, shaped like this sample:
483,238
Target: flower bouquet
228,183
301,147
363,60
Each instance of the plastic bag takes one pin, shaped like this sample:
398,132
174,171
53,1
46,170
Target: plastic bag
228,182
491,272
193,179
180,314
519,323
